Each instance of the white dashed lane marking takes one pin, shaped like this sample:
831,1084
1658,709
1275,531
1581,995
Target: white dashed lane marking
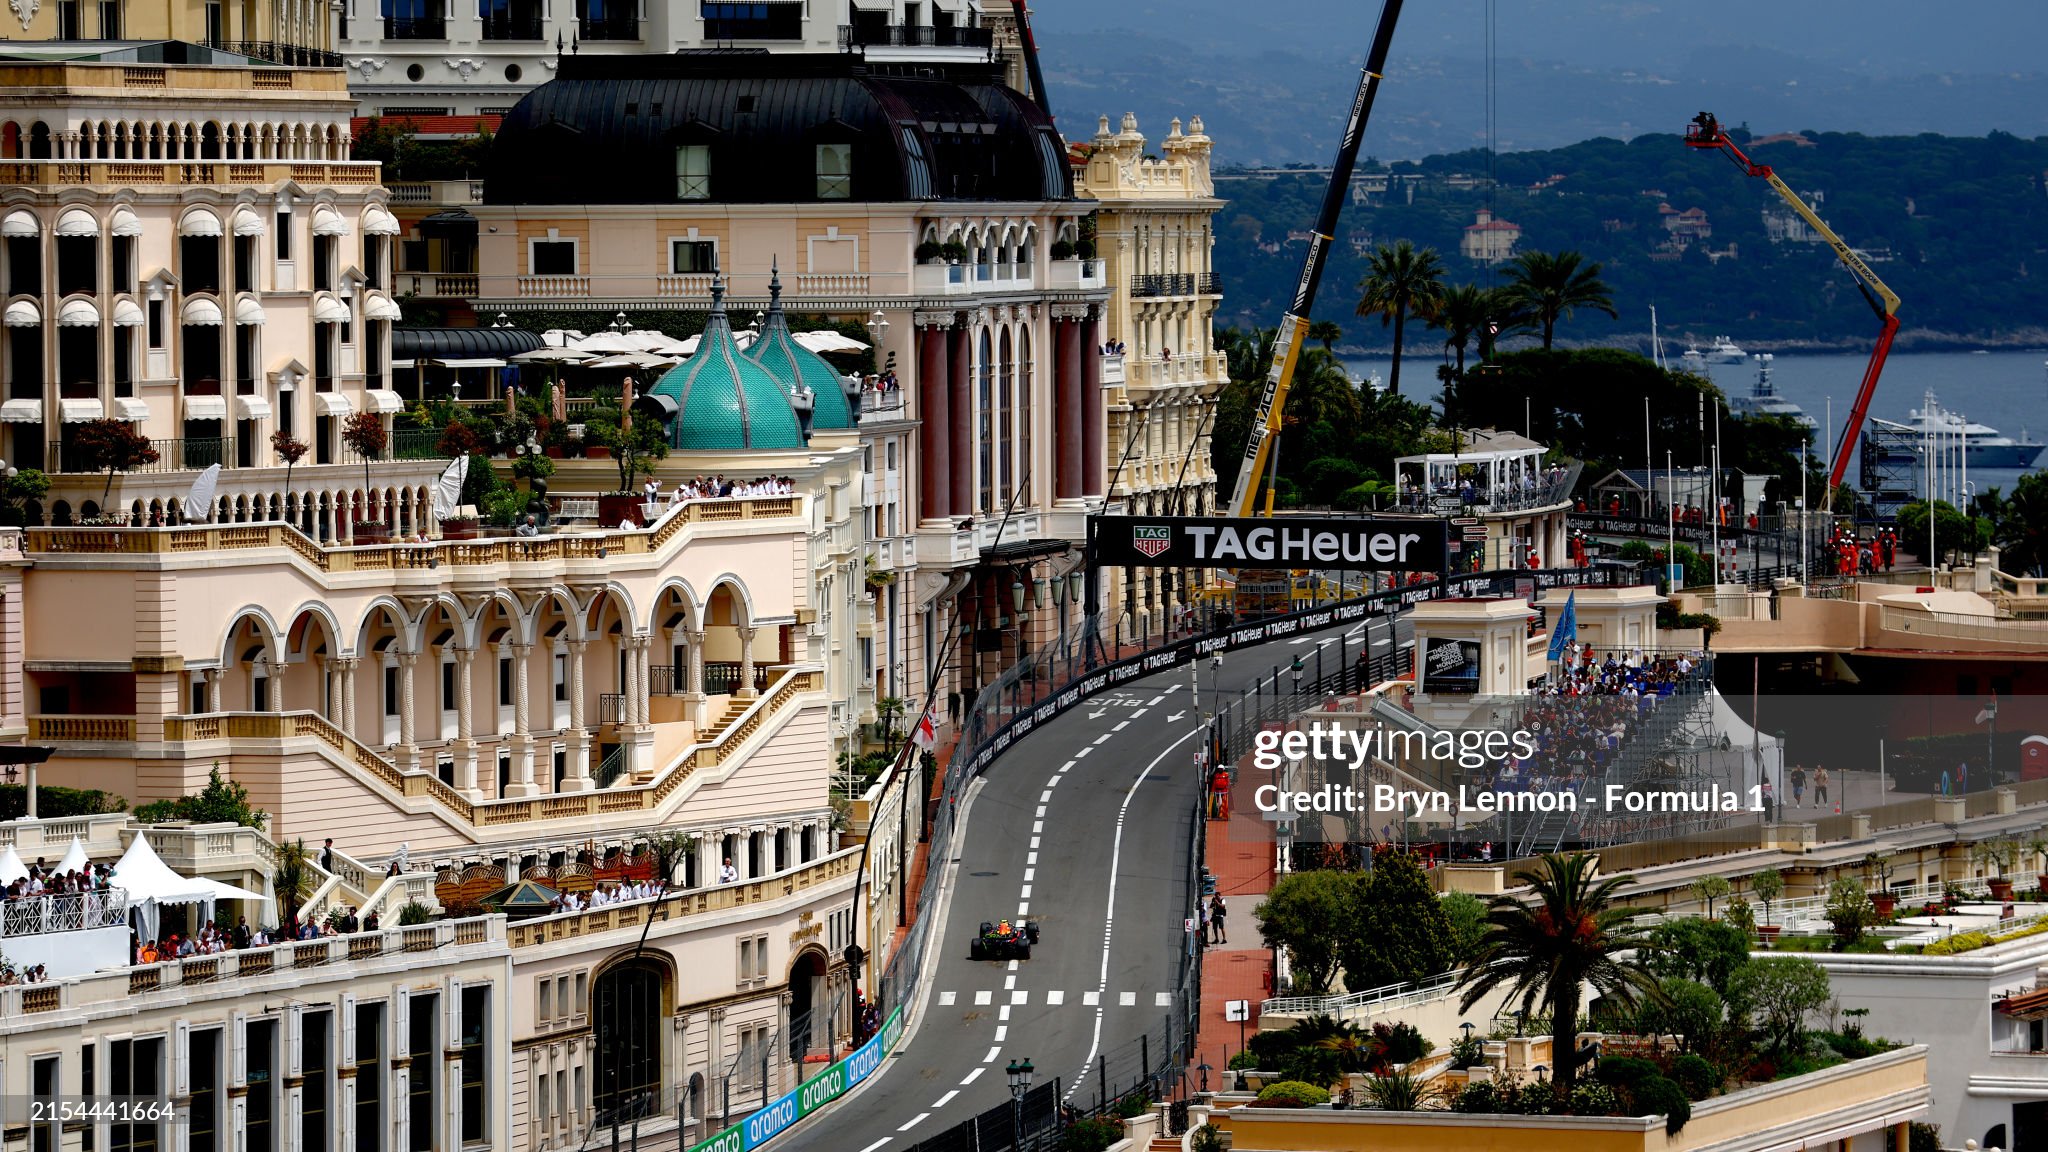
946,999
913,1122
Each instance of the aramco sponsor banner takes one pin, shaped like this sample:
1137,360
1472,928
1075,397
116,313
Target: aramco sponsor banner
773,1120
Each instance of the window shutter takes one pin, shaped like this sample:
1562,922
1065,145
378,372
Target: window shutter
181,1059
238,1031
348,1030
293,1039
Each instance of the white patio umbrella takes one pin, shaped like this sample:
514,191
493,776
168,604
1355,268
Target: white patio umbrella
554,356
447,494
605,343
560,337
201,496
657,343
742,337
637,360
826,340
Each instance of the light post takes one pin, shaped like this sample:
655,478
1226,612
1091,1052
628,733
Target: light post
1991,742
1020,1083
619,323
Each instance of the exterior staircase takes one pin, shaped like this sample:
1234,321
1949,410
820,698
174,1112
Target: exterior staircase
709,734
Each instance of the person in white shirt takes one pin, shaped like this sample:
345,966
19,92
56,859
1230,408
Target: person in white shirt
727,874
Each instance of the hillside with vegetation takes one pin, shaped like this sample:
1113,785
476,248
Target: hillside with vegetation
1957,226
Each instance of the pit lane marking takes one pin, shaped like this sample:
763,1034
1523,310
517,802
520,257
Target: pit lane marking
971,1078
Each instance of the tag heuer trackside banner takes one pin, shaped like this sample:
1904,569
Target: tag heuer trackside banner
1382,543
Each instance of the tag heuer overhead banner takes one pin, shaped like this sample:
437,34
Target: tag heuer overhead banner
1360,543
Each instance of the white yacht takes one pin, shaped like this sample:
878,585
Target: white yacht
1725,351
1763,398
1983,445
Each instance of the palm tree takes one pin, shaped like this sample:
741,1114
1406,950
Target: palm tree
1401,280
1548,285
1322,393
1463,316
1546,947
291,881
1326,333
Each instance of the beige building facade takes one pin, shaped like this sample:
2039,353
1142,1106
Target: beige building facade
1154,232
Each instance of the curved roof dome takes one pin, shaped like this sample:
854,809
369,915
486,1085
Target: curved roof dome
719,400
761,119
797,366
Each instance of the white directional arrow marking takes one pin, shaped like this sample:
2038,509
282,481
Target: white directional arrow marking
1098,715
1171,717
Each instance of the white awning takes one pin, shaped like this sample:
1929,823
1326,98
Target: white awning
328,222
200,222
248,223
381,400
78,314
248,311
381,308
20,224
378,222
127,313
21,412
206,408
129,408
124,223
334,404
24,314
328,310
79,411
481,363
202,312
252,408
405,363
77,222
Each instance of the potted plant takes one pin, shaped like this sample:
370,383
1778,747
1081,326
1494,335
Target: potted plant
1708,889
1882,899
635,447
930,251
1084,249
954,251
1062,250
1768,885
365,436
1999,856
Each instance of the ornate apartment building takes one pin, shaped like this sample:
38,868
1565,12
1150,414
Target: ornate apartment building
418,58
1153,230
189,249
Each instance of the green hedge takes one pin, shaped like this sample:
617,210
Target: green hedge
55,803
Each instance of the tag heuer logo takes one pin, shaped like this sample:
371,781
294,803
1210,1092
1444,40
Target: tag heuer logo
1151,540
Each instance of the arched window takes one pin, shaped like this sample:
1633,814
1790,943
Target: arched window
1006,406
628,1010
1025,383
984,430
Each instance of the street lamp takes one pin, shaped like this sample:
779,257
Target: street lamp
1020,1083
878,325
503,321
619,324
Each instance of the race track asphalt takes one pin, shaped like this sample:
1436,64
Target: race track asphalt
1083,826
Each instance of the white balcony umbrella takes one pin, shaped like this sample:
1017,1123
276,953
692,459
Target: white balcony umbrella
554,356
657,343
605,343
639,360
199,502
826,340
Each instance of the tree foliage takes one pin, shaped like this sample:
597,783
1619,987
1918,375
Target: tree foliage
1568,934
1303,913
1552,286
1401,281
634,443
1777,994
1956,535
1691,948
1397,930
1687,1008
1467,916
114,445
221,801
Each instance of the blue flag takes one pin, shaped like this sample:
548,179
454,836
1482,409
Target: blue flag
1567,629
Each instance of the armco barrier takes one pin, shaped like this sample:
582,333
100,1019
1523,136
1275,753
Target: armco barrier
767,1123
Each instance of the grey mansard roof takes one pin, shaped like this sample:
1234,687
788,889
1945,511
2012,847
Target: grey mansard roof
606,130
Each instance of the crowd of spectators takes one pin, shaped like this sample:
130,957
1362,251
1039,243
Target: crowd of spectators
212,939
610,894
717,487
1584,714
44,880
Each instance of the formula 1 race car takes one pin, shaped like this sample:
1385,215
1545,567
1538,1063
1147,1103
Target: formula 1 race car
1007,940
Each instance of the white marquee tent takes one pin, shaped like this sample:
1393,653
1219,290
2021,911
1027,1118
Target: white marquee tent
150,884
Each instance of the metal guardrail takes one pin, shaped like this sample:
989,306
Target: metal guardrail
63,912
1391,995
2029,634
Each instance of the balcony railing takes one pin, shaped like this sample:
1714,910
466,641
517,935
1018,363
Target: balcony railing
290,55
609,28
912,36
172,455
1162,284
519,27
460,285
415,27
404,444
1209,284
63,912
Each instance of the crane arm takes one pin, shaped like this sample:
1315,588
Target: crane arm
1294,325
1705,132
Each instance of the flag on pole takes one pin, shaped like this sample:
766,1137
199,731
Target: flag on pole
1567,629
926,734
